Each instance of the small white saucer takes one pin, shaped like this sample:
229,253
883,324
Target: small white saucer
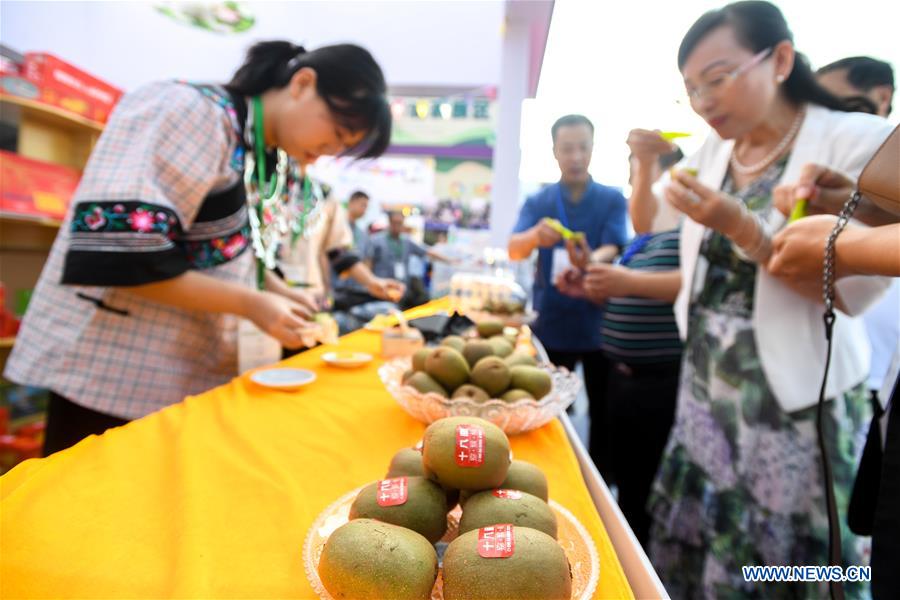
347,360
286,380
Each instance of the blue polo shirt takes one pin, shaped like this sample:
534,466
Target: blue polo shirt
565,323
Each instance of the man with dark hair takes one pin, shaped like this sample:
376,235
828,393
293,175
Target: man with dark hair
865,83
569,328
571,121
395,254
357,206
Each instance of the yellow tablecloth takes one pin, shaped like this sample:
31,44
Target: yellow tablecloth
212,497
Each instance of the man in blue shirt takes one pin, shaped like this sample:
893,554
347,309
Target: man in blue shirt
393,253
569,328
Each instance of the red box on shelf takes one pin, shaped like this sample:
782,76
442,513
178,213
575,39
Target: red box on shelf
66,86
34,188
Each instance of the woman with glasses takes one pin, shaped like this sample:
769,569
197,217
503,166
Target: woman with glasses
140,300
740,482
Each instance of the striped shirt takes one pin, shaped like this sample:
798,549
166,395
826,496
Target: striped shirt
641,330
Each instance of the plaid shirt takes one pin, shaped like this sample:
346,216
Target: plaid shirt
162,193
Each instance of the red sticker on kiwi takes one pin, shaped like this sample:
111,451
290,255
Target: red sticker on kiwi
496,541
508,494
469,446
393,492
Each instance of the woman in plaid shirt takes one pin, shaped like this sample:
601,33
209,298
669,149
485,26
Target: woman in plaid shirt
153,267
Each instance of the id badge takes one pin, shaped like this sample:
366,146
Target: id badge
255,347
561,262
399,271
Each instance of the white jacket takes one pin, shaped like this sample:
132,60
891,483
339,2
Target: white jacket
789,329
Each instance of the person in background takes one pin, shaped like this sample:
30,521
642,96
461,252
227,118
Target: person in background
139,302
860,80
799,253
641,343
740,482
570,328
308,261
357,206
393,253
865,84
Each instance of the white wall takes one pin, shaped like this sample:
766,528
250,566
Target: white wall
129,43
616,63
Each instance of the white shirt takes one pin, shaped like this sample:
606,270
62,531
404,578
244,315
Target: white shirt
789,327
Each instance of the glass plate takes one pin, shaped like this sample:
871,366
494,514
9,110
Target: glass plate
512,417
571,535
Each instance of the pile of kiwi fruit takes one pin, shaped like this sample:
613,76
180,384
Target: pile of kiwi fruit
387,551
479,368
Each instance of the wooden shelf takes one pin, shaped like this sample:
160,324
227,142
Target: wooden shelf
33,220
51,115
7,342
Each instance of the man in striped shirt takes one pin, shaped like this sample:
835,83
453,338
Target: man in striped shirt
640,340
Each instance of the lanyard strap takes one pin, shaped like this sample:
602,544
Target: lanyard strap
264,190
561,207
636,245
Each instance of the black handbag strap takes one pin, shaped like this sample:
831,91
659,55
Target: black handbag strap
828,276
834,527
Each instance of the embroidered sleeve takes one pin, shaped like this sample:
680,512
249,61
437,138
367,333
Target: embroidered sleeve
163,151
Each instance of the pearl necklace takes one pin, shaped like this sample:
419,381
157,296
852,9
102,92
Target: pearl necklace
742,169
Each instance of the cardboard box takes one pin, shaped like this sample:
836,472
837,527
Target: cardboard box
66,86
35,188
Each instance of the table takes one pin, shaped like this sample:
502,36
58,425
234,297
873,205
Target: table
213,497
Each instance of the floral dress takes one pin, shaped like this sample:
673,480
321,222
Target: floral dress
740,482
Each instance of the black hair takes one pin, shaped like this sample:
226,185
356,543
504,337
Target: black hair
863,72
759,25
358,194
347,78
569,121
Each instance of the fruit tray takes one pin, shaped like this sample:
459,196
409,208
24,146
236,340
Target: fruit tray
571,534
510,320
512,417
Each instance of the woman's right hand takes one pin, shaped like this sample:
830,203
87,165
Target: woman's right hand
825,191
647,146
279,316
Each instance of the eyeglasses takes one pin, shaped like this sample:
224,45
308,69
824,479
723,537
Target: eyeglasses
719,83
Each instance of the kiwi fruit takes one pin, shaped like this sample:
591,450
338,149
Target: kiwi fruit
488,329
475,350
371,560
472,392
406,461
507,506
501,346
537,569
455,342
448,367
424,383
447,455
425,509
533,380
492,375
520,358
526,477
515,395
418,359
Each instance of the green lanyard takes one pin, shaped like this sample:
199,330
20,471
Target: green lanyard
259,145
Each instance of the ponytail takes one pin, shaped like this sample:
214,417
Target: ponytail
348,80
